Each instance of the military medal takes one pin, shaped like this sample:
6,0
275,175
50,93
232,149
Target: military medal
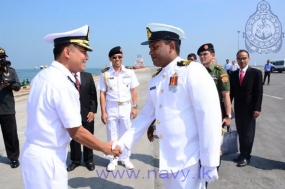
173,83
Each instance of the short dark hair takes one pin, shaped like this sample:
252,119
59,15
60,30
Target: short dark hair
242,50
192,55
177,45
57,50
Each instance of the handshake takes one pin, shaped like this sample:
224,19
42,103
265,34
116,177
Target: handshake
116,149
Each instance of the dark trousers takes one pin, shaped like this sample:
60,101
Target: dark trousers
75,147
10,136
245,125
265,75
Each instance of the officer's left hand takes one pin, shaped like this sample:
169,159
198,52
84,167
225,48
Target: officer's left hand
255,114
90,117
209,174
134,113
226,121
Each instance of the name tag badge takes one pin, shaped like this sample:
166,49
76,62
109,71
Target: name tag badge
111,78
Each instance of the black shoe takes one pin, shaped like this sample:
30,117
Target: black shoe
90,166
72,166
243,162
267,83
15,164
238,159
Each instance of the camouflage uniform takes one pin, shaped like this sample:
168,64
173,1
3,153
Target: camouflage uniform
221,79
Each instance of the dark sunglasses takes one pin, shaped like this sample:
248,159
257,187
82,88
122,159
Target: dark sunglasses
115,57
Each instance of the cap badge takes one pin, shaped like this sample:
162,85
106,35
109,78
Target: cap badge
2,51
206,46
148,33
88,35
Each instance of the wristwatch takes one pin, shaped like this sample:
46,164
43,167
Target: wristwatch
135,106
229,116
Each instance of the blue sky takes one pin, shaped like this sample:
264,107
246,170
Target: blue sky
24,23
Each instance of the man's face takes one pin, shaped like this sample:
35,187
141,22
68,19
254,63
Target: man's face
191,58
242,59
117,60
233,62
206,58
227,61
160,53
78,58
268,61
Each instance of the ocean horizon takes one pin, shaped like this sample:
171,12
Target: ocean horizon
29,74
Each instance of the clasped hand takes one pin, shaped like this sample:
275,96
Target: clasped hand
115,150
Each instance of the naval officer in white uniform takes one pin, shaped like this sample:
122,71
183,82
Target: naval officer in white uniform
54,118
183,99
118,100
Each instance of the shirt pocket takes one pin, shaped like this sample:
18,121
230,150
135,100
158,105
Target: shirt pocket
112,83
127,82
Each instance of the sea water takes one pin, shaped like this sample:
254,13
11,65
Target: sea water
29,74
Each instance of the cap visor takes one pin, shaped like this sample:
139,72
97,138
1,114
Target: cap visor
145,43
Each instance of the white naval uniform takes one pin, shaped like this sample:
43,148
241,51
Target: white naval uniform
117,88
188,120
53,106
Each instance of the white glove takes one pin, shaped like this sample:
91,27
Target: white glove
118,143
209,174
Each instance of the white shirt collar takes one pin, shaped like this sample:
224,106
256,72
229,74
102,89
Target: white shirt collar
244,69
63,69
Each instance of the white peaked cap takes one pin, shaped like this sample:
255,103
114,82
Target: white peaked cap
78,36
157,31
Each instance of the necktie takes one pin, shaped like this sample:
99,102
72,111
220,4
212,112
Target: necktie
77,83
241,76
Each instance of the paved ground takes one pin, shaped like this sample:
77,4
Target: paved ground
265,171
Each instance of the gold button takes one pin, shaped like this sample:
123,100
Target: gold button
161,90
158,122
160,136
163,76
160,106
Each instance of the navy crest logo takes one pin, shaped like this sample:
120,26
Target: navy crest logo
263,31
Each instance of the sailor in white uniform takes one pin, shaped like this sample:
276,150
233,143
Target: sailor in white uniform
53,110
118,100
183,99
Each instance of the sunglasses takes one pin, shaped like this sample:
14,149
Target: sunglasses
115,57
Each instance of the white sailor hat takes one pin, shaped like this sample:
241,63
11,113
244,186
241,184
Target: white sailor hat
78,36
156,31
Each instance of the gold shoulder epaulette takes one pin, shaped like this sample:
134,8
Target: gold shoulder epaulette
105,69
157,72
183,63
129,67
219,67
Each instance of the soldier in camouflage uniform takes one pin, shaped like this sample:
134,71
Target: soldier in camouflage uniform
207,56
207,53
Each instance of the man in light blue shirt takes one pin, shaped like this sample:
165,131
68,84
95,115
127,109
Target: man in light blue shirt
227,66
267,71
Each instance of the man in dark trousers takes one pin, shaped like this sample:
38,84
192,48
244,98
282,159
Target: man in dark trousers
88,102
8,82
247,91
